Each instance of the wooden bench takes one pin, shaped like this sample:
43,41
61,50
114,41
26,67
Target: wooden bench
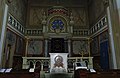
100,74
21,74
16,75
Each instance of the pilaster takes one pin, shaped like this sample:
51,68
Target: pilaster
115,28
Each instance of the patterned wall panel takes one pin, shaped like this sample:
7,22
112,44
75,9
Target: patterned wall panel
35,17
96,10
18,9
96,41
94,46
20,46
35,47
80,17
9,48
36,14
104,36
80,46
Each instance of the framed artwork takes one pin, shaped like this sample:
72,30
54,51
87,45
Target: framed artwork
80,46
104,36
95,46
35,47
9,46
19,46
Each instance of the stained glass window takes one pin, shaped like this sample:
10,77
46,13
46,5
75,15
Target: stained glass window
57,24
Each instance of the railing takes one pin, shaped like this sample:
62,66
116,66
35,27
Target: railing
99,25
45,61
81,32
34,32
102,23
15,24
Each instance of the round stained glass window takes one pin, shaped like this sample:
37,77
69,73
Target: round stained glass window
57,24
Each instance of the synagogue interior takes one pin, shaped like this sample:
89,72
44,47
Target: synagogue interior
59,38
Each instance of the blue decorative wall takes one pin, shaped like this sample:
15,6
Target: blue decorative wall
104,51
104,57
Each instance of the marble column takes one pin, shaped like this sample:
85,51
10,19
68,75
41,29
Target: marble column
25,65
34,65
69,47
41,66
46,47
114,21
112,56
2,37
26,50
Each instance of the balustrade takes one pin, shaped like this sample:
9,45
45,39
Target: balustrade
15,24
45,61
99,25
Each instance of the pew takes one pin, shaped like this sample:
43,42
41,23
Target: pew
21,74
107,75
91,75
118,74
80,73
99,74
16,75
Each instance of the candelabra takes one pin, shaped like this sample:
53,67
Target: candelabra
89,41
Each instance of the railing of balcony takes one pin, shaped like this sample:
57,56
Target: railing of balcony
99,26
15,24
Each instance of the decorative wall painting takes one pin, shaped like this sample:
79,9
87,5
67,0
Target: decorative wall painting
35,47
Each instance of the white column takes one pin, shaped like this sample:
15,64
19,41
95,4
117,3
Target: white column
71,29
44,28
90,64
113,56
118,34
2,39
46,47
34,65
26,50
25,65
41,66
69,47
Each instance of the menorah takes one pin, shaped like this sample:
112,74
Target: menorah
82,53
